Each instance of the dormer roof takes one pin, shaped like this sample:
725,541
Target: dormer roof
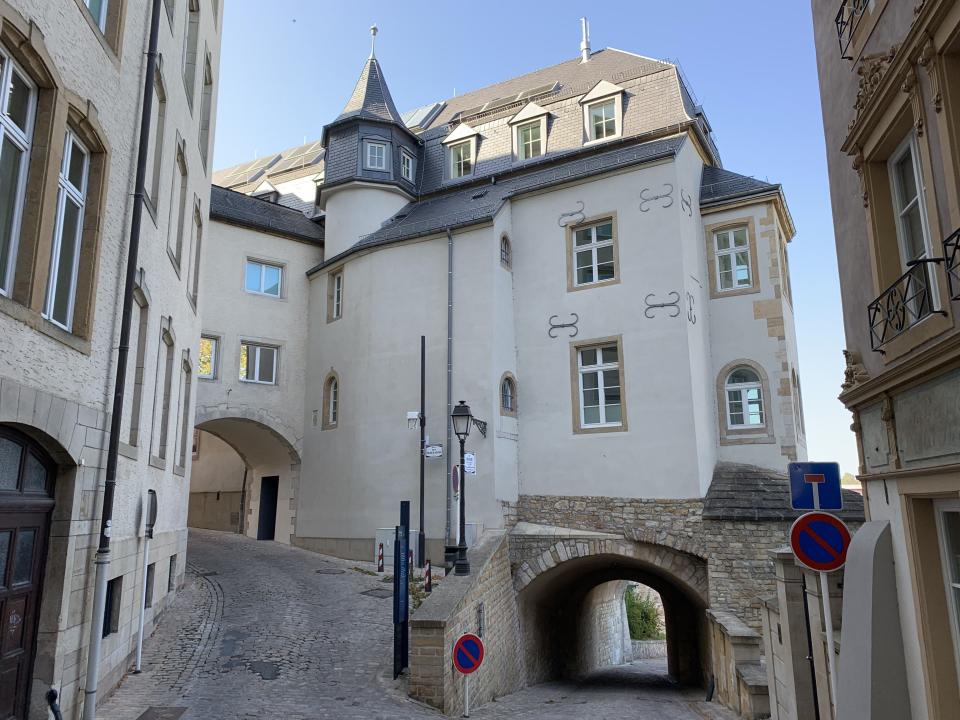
462,132
602,89
529,111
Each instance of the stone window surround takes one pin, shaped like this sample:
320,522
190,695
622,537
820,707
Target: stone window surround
184,414
575,347
206,108
328,382
251,342
154,174
166,345
191,49
215,359
511,378
111,36
710,232
331,289
141,296
570,231
744,435
57,108
178,204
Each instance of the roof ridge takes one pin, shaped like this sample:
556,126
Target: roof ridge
254,198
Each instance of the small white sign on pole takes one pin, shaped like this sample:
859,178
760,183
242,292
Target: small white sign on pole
470,463
433,451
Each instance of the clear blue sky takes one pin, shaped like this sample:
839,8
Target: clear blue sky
288,66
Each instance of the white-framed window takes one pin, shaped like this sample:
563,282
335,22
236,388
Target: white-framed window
602,119
732,252
506,252
599,384
594,254
17,110
529,140
406,165
67,234
207,357
906,181
263,278
376,155
744,395
337,296
508,396
948,527
333,402
258,363
98,11
461,159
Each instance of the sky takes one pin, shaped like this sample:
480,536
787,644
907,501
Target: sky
288,66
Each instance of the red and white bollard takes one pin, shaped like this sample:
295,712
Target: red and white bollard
427,578
380,558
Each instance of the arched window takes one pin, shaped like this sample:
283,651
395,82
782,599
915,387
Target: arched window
506,252
508,396
331,401
744,398
797,403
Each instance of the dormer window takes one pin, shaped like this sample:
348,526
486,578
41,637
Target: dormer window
406,165
529,128
375,155
529,141
602,119
602,112
461,159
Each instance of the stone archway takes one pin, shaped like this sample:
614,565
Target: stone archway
566,592
269,453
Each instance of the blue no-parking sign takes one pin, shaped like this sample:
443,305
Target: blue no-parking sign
820,541
815,486
467,653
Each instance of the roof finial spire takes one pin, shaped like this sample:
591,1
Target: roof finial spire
585,40
373,40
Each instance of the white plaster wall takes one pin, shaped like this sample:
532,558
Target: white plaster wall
355,211
217,468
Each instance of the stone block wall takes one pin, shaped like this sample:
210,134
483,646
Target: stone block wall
452,610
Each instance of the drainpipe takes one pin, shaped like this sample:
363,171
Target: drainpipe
102,562
450,541
241,526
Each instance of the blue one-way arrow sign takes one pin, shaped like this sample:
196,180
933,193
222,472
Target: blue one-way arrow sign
815,486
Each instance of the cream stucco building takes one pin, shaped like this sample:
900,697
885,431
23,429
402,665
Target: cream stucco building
73,76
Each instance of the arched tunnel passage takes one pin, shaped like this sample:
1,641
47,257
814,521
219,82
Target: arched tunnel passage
574,621
244,478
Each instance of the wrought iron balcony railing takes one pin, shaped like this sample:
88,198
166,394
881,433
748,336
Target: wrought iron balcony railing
951,254
849,16
905,303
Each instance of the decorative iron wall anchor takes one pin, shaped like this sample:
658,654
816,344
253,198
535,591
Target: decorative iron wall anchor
555,327
691,310
652,307
572,218
667,198
686,202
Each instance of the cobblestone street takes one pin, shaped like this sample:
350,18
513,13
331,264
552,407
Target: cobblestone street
263,630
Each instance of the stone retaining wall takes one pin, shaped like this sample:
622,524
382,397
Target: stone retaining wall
646,649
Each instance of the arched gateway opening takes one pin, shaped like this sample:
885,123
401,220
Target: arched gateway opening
245,477
573,615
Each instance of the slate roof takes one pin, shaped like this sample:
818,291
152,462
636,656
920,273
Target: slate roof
717,184
240,209
371,98
748,492
481,202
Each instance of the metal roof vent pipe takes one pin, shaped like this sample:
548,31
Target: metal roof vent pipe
585,40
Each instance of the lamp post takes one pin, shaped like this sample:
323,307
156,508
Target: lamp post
462,420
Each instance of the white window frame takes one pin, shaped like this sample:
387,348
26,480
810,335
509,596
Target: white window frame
24,142
263,265
540,124
599,369
67,191
732,252
451,149
741,388
214,358
617,118
101,22
337,312
593,246
333,402
253,361
941,507
368,158
406,165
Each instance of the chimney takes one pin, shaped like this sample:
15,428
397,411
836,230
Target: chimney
585,41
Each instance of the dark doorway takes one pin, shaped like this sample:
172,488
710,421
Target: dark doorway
267,527
26,485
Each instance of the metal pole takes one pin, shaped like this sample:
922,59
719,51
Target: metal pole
421,537
462,565
466,696
143,602
828,621
102,561
450,545
813,671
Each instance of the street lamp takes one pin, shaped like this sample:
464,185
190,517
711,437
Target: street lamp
462,420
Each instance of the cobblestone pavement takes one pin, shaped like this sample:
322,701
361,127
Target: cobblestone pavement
263,630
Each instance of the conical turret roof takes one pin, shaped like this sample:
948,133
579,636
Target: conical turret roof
371,97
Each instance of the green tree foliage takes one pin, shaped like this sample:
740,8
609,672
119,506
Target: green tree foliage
643,616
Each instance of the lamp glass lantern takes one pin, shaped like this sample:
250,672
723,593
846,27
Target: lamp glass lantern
462,419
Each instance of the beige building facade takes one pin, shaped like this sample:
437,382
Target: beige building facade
890,86
72,74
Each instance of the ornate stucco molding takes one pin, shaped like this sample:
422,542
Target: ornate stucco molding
928,61
855,373
911,88
871,69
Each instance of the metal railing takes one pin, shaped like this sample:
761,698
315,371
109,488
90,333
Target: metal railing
848,17
905,303
951,254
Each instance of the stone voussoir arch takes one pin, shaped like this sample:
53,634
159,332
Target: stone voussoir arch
274,424
685,568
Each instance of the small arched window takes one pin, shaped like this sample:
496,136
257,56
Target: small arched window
506,252
744,398
508,395
331,402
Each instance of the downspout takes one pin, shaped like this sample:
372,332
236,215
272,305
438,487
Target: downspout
450,541
102,561
241,526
